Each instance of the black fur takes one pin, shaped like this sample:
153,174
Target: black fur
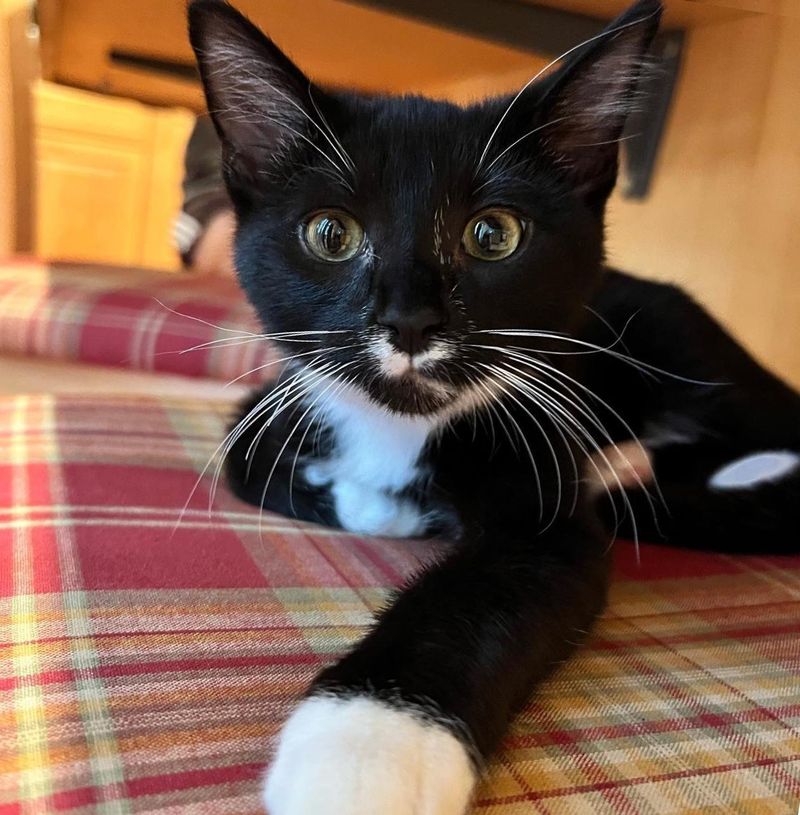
472,636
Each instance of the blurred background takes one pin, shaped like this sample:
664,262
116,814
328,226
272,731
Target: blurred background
98,99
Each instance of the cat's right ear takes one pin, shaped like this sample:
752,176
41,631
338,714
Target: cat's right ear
257,97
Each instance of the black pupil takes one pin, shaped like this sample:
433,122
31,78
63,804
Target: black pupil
331,235
490,235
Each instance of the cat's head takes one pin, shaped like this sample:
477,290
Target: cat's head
397,232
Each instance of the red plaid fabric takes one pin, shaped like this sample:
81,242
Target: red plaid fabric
130,318
148,668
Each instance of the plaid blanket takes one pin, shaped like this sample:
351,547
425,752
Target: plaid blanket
146,667
130,318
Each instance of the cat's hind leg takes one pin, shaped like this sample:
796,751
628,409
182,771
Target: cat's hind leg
742,501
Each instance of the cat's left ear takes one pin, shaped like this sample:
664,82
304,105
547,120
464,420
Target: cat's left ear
586,102
260,102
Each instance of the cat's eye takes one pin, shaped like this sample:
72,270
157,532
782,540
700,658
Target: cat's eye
334,236
493,234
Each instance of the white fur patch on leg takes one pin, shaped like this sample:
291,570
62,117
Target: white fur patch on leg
753,470
360,756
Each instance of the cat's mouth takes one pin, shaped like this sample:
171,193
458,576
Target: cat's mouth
412,392
410,383
423,382
413,371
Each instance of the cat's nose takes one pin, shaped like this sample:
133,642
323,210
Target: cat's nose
411,330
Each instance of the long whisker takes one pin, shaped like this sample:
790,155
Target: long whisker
577,402
313,351
584,409
499,372
636,363
222,342
319,412
295,382
222,445
569,419
503,373
276,395
232,342
285,444
618,334
487,398
205,322
554,374
338,146
241,334
525,136
537,477
561,424
308,376
489,403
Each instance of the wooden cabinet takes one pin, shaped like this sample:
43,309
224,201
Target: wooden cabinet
108,174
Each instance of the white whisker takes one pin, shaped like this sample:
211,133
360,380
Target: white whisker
221,446
241,427
525,136
338,146
239,331
301,381
285,444
636,363
511,381
559,485
319,412
317,351
568,422
559,376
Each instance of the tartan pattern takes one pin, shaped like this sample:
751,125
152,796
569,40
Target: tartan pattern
148,670
114,316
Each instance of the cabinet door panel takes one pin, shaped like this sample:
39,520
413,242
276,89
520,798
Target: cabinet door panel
108,177
91,201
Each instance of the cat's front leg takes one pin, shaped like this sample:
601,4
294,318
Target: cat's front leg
402,724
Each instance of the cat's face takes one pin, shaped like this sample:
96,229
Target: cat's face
397,233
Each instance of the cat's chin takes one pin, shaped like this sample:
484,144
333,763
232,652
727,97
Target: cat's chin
413,394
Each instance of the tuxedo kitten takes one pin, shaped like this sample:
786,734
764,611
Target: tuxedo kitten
459,361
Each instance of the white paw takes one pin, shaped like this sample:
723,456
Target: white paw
372,512
359,756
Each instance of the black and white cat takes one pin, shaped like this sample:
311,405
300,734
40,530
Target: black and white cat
460,361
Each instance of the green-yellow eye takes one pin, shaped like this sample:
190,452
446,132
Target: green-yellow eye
493,234
334,236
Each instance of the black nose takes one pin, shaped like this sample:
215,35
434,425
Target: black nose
411,330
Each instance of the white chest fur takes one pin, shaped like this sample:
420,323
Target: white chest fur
376,455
